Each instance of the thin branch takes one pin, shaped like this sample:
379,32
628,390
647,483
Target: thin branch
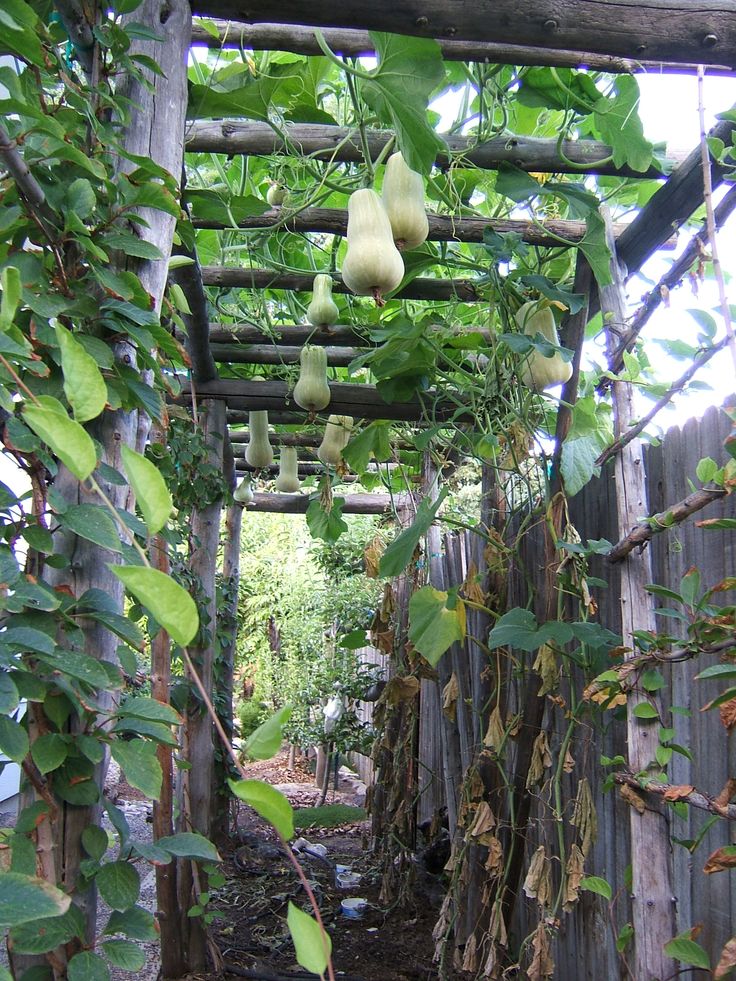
702,802
27,184
708,199
625,438
671,279
79,29
658,523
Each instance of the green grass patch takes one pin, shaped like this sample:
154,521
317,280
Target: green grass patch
328,816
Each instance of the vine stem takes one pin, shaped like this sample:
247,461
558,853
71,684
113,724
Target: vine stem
331,56
710,219
230,749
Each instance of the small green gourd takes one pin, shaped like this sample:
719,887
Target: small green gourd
243,493
276,195
403,198
322,311
372,265
537,371
335,439
312,392
287,481
258,452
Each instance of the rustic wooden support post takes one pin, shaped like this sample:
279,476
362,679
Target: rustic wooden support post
228,630
653,902
197,784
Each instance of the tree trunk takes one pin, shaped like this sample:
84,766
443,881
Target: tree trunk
197,783
652,889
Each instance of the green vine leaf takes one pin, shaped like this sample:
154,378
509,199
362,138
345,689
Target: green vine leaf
137,759
170,603
84,385
313,945
24,898
433,626
266,741
66,438
268,802
399,553
150,489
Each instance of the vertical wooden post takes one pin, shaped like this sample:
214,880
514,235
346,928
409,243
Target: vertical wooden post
197,782
652,900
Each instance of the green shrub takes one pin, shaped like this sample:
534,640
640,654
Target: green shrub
327,816
250,716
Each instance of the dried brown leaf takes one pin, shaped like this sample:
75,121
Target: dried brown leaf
450,695
573,877
540,761
538,882
546,667
727,961
569,765
584,816
402,688
678,792
633,798
483,822
494,862
720,860
470,955
371,558
495,733
727,712
542,965
471,587
727,794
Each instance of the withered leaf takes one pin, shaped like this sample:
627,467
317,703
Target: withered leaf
721,859
540,761
569,765
678,792
483,822
633,798
727,961
472,590
573,877
727,712
542,965
494,862
449,698
584,816
495,732
402,688
470,955
538,882
546,667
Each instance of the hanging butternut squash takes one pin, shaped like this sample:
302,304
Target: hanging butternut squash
243,493
322,311
287,481
335,439
537,371
403,198
258,452
373,265
312,392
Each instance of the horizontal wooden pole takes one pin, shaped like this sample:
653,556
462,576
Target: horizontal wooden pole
305,470
341,145
442,228
354,503
305,440
350,42
659,30
358,401
419,289
337,357
298,334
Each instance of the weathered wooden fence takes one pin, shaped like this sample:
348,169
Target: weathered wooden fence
449,741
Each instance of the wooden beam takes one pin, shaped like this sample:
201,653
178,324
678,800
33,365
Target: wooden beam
305,470
359,401
659,30
298,334
196,339
259,279
274,353
306,440
442,228
298,503
342,145
348,42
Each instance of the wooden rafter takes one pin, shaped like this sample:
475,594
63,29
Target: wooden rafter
354,503
341,145
442,228
659,30
301,40
341,335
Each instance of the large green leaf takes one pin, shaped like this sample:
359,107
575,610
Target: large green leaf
135,922
409,70
170,603
268,802
24,898
617,120
90,521
688,952
399,553
40,936
119,884
433,626
66,438
49,751
372,441
137,759
312,944
84,385
18,30
125,955
189,844
87,966
327,525
10,283
150,489
266,741
140,707
13,739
